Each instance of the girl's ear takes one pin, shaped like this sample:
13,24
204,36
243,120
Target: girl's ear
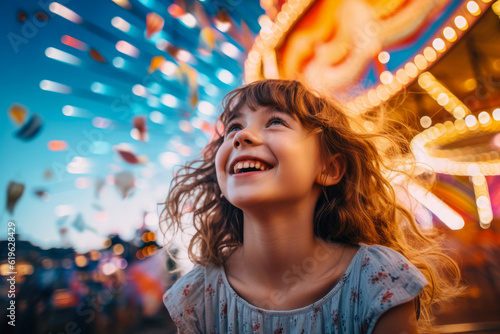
332,174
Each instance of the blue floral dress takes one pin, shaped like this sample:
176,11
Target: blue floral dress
377,279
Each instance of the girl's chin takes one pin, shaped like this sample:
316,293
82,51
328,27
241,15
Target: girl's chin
245,202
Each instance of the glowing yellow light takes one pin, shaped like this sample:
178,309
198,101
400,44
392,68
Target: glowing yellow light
443,99
446,214
442,95
369,126
283,17
382,93
472,169
411,70
496,114
430,54
460,125
483,202
118,249
496,8
384,57
439,45
123,3
420,62
424,80
373,97
426,122
81,260
473,8
95,255
483,117
461,22
450,34
470,120
107,242
351,107
402,76
478,180
459,112
496,63
386,77
470,84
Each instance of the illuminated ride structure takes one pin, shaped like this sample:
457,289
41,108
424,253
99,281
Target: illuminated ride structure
441,58
436,66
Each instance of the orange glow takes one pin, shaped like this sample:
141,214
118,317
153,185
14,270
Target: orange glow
57,145
176,11
154,23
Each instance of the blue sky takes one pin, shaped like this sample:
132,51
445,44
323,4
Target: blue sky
174,135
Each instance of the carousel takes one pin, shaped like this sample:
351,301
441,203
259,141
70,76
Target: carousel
435,65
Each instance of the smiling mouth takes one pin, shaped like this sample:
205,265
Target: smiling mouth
249,166
250,172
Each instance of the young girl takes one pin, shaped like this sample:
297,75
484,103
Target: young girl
297,228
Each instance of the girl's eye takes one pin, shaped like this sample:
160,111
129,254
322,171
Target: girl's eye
232,126
276,119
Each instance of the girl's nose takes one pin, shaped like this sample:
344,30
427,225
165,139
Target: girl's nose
245,137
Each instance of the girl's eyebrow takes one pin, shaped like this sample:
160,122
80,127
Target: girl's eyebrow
237,114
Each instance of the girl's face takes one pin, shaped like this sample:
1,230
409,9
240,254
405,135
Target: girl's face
276,142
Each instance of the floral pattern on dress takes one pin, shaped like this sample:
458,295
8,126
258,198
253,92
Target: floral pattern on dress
335,318
354,295
189,309
186,289
256,326
366,260
377,278
209,291
386,298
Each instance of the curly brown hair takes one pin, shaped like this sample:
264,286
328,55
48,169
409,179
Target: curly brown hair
361,208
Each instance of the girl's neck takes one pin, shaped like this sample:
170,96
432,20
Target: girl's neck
279,243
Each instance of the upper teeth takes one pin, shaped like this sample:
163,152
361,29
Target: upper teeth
249,163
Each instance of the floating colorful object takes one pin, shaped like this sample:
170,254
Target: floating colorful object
140,125
125,182
31,129
97,56
156,62
223,20
42,194
18,113
172,50
22,16
154,23
176,11
207,36
41,16
128,155
57,145
194,99
123,3
14,192
47,174
74,43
